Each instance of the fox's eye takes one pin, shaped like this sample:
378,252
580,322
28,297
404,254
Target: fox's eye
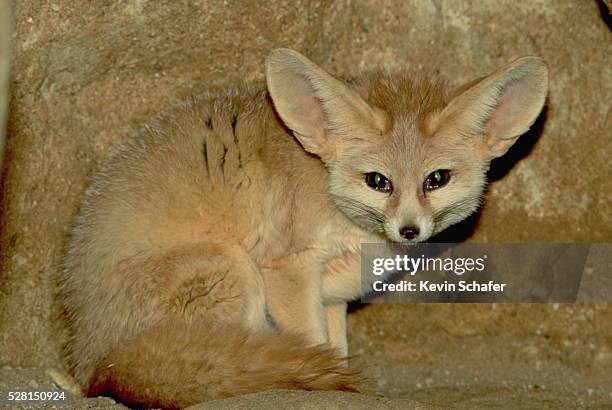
436,179
378,182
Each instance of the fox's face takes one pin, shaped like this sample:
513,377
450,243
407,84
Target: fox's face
405,157
407,185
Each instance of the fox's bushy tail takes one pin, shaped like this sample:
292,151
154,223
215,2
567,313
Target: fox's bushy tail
175,365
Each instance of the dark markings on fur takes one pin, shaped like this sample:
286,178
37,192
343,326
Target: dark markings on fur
208,123
205,156
255,244
222,165
234,121
360,213
191,297
235,134
270,319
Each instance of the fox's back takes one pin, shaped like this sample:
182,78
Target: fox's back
189,174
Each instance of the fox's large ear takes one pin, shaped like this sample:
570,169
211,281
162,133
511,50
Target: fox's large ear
501,107
314,104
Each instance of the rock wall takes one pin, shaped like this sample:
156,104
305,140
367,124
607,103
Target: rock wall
6,40
86,74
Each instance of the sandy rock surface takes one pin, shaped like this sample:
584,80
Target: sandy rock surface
87,74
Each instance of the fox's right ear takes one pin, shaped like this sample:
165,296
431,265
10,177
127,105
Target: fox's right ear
499,108
313,104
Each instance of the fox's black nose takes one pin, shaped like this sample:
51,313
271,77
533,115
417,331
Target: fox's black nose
409,232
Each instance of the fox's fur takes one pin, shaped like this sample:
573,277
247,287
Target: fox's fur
216,250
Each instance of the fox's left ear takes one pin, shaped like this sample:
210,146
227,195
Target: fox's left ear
501,107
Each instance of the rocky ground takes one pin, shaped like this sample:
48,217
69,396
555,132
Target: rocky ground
87,74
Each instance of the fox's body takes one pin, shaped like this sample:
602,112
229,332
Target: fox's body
214,256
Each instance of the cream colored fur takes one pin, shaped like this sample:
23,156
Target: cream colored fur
214,255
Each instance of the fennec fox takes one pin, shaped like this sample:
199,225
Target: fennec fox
216,250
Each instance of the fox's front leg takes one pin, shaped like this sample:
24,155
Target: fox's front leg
336,327
293,299
341,283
